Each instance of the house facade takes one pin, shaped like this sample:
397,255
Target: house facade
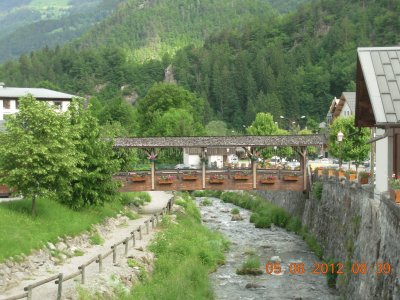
9,99
345,106
378,105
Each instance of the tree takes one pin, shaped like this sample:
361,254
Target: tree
264,125
94,184
162,97
37,151
175,122
353,146
216,128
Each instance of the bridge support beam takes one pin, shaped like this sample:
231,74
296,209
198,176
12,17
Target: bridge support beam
203,168
153,175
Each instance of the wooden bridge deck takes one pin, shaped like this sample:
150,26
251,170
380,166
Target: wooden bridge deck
179,182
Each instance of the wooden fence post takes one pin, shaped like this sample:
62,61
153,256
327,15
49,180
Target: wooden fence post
83,272
147,226
60,284
140,232
114,254
133,239
152,222
29,290
100,263
126,242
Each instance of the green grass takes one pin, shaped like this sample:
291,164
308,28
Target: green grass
317,190
266,213
250,267
235,211
20,233
96,239
186,252
135,198
206,202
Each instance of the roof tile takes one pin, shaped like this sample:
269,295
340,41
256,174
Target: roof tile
376,61
382,84
396,66
394,90
384,57
387,104
389,72
392,54
396,105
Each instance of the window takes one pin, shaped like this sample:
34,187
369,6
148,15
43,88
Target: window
58,104
16,104
6,104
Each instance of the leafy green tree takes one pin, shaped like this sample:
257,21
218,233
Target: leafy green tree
94,185
353,146
264,125
216,128
175,122
163,97
37,151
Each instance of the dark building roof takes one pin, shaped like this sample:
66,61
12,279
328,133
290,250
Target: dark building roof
350,99
222,141
378,87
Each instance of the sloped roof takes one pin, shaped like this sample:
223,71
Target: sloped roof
38,93
222,141
350,99
378,86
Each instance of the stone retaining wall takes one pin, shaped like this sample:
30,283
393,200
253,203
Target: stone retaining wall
353,226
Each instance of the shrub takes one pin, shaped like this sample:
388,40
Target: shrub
250,267
96,239
215,194
206,202
254,217
181,202
317,190
235,211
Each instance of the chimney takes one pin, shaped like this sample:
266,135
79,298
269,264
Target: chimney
2,84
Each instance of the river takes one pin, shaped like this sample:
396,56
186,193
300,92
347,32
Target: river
274,244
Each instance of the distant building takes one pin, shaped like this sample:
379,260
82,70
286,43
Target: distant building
378,106
345,106
9,99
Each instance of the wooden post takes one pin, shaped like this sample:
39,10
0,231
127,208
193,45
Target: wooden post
133,239
153,175
254,167
140,232
156,219
29,296
83,272
203,168
152,222
114,248
147,226
60,283
100,263
304,166
126,242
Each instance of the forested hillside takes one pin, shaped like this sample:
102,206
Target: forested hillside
28,25
291,65
150,29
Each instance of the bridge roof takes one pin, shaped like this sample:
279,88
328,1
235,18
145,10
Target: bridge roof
222,141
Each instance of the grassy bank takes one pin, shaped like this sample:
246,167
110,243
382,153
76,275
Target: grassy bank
266,213
186,252
20,233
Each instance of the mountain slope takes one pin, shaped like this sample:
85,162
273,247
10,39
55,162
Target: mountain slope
31,25
152,28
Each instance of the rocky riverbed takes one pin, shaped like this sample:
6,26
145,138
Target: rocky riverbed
270,245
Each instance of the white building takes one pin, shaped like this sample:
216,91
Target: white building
378,105
9,98
345,106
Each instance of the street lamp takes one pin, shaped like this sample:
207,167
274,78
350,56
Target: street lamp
293,121
340,136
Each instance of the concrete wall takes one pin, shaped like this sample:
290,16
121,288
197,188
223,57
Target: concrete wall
353,227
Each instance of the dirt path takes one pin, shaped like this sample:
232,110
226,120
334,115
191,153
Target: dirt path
94,279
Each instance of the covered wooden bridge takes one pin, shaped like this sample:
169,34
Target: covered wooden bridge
251,178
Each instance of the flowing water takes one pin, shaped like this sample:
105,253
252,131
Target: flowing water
270,245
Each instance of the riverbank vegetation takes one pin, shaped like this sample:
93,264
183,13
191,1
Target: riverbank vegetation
186,252
265,214
20,233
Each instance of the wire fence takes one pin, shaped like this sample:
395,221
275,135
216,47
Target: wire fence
60,278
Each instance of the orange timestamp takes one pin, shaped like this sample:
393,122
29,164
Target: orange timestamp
323,268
